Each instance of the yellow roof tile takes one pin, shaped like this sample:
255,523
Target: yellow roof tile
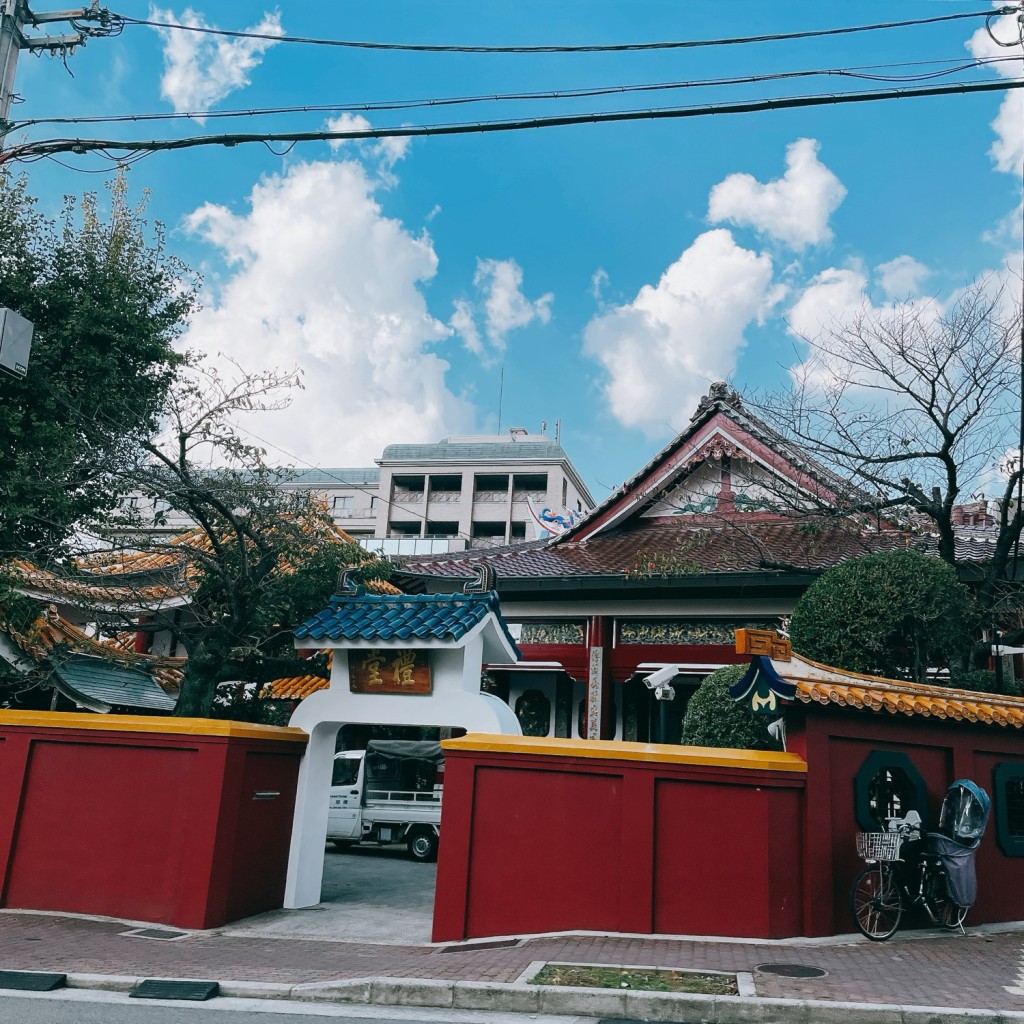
850,689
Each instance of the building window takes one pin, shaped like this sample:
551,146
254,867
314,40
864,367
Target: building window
534,485
517,531
403,529
1008,783
442,529
342,502
887,786
565,493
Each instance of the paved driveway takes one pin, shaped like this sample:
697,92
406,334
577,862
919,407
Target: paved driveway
370,894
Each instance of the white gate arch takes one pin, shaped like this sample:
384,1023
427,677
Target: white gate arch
459,632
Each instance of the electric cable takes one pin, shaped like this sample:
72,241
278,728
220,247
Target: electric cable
106,147
280,37
861,72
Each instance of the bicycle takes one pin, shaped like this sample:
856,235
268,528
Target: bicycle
888,885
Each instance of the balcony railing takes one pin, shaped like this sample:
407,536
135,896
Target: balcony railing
408,497
490,496
488,542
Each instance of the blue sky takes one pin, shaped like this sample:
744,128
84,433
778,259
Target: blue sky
609,272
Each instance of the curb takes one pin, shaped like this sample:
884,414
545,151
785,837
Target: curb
586,1002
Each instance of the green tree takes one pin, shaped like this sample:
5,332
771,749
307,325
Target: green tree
893,614
714,719
107,302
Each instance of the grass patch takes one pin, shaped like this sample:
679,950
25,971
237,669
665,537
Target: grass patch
640,979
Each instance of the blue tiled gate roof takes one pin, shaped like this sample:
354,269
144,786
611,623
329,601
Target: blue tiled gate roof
405,617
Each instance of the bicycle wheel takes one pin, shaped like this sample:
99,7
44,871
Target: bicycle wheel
946,913
876,902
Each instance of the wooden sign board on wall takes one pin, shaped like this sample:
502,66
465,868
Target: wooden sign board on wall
381,671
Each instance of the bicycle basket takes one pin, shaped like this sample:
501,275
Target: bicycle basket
879,845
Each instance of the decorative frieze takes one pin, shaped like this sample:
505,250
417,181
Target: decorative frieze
552,633
687,631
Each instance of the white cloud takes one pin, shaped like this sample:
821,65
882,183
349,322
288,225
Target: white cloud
464,325
1008,149
387,151
660,350
793,209
834,296
901,278
200,70
502,305
323,280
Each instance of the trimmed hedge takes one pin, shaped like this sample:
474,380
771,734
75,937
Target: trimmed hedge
714,719
892,614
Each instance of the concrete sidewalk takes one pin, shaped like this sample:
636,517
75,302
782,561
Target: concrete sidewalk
864,982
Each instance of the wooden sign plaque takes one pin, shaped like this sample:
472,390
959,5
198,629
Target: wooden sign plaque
389,671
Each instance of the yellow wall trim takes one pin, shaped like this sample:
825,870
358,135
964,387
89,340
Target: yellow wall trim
612,750
152,724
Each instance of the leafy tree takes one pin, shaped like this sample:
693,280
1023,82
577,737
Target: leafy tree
107,304
714,719
893,614
258,562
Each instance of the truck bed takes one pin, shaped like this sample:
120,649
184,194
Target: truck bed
403,806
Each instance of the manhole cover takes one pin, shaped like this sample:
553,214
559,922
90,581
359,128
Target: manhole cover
791,970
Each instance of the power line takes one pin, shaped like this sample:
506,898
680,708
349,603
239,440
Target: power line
110,147
589,48
950,66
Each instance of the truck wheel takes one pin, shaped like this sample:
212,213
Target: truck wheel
422,846
342,845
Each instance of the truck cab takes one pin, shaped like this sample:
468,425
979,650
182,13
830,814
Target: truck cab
389,793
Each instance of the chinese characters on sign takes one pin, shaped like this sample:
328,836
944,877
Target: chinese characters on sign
383,671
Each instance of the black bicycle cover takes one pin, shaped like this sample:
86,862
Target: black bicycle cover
961,878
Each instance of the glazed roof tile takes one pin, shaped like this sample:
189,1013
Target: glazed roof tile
112,684
298,687
874,693
52,637
689,546
375,617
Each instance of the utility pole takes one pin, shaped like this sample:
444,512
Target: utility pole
14,16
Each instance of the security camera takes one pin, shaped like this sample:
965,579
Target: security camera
661,682
664,675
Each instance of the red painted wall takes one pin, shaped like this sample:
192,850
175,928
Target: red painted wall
534,842
835,743
147,825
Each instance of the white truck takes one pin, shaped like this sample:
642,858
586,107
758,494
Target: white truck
388,793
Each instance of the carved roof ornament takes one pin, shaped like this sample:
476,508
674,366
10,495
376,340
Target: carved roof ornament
719,394
715,448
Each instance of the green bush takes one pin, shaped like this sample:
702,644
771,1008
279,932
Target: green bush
893,614
982,680
714,719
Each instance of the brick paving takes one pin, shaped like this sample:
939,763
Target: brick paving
925,969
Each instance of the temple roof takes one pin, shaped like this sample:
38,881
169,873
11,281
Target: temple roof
694,545
374,618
